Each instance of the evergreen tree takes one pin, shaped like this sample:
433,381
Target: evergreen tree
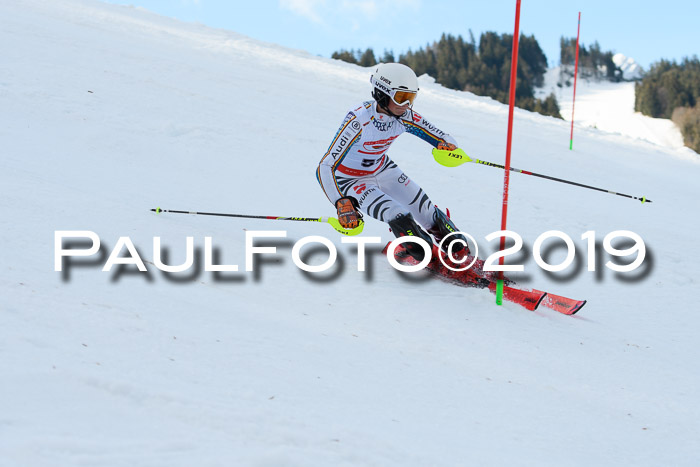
567,51
483,69
388,56
672,90
367,59
531,53
345,55
592,62
668,85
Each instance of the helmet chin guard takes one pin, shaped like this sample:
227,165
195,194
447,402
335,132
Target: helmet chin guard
381,98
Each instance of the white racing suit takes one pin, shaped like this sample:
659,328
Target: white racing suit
357,164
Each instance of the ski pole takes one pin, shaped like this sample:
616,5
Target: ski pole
458,157
330,220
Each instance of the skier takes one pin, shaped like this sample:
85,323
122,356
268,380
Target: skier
357,174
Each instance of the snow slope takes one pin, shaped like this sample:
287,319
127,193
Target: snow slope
109,111
609,107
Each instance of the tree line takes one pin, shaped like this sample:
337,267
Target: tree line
672,90
592,61
482,68
668,90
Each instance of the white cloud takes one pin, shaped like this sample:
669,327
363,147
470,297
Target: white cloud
306,8
352,12
367,7
373,10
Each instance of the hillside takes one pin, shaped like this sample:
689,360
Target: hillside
609,107
110,111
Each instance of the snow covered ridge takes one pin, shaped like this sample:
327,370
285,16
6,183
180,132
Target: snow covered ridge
631,70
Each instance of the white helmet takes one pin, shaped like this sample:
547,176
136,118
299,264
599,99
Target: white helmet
394,81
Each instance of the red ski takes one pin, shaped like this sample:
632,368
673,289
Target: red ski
528,299
476,277
567,306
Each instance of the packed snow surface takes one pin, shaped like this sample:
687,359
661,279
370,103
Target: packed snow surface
110,111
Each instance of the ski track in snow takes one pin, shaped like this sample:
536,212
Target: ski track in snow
109,111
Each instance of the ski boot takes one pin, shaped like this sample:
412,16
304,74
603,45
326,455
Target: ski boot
442,228
404,225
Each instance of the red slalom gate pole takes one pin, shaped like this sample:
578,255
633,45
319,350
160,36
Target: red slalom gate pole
573,105
506,176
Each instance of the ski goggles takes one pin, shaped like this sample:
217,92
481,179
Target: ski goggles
403,97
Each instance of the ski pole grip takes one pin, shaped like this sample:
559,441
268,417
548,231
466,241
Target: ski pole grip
449,158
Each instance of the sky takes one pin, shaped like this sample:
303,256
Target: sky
644,31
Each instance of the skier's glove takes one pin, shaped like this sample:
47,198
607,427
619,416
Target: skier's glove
348,215
446,146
